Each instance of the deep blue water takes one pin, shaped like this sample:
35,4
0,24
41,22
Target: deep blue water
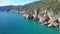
12,23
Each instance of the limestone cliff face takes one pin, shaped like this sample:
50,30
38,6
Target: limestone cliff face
48,18
41,19
35,15
45,17
27,15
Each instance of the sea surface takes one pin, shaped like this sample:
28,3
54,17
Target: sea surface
12,23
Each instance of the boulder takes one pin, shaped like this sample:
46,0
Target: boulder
53,25
50,25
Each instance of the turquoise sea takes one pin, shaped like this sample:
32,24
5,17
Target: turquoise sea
12,23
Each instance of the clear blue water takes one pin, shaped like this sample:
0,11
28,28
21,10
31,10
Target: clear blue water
11,23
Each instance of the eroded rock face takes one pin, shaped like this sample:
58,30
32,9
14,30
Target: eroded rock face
41,19
46,19
25,16
30,16
59,22
22,12
53,23
35,17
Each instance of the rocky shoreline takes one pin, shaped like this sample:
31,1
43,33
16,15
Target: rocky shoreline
45,20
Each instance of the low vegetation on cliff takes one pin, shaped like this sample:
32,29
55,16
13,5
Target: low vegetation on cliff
48,5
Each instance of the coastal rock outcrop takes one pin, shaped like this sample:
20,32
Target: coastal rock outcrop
47,19
25,16
35,17
44,20
40,19
28,15
53,22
